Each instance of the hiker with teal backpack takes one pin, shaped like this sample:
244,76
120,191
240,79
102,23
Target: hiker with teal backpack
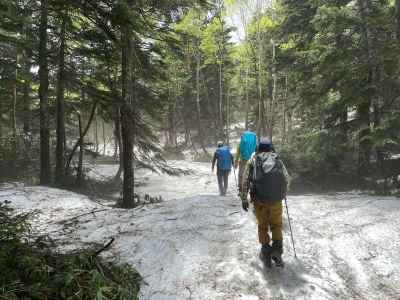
245,149
224,159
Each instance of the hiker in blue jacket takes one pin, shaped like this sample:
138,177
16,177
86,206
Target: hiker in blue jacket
224,159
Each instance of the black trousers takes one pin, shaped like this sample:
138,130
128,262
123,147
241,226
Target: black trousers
223,176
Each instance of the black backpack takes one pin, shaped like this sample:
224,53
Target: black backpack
268,180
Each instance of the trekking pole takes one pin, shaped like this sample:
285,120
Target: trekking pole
290,227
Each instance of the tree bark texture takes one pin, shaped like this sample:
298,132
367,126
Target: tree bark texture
247,106
45,175
26,93
364,107
271,118
79,173
199,123
284,110
397,12
127,116
221,69
96,133
119,143
261,108
60,130
14,109
80,140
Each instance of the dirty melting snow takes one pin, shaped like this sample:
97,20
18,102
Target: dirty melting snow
197,245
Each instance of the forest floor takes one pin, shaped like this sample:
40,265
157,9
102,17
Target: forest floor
198,245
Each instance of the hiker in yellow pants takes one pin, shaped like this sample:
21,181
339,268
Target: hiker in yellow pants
269,217
266,178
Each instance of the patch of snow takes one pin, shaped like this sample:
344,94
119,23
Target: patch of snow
198,245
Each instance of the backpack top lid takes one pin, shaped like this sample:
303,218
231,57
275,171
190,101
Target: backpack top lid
223,148
248,144
224,158
266,161
265,145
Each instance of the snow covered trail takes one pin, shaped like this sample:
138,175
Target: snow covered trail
197,245
200,180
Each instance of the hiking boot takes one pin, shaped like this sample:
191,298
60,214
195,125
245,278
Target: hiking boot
265,255
276,253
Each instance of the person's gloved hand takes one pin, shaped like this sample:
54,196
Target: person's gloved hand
245,205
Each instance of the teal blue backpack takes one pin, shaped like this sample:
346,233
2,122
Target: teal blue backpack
248,144
224,158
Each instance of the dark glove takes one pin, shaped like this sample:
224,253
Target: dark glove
245,205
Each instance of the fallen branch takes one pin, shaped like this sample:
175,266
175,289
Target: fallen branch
235,212
79,142
105,247
85,214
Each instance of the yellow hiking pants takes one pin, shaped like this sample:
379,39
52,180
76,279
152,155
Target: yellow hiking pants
269,217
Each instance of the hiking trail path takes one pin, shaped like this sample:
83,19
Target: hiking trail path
198,245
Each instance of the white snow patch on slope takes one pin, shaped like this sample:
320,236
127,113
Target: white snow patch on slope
200,181
198,245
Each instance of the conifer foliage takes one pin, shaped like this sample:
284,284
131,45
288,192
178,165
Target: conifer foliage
67,64
320,78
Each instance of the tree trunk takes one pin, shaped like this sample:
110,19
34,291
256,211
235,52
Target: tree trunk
344,128
289,125
220,67
14,107
364,132
171,129
127,156
26,91
79,173
199,128
364,107
104,136
43,96
273,94
188,135
94,133
127,116
397,12
116,141
214,112
119,144
13,117
247,107
380,156
228,112
285,101
220,99
172,134
80,141
60,131
261,108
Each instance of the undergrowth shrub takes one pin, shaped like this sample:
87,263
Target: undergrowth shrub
321,158
32,269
